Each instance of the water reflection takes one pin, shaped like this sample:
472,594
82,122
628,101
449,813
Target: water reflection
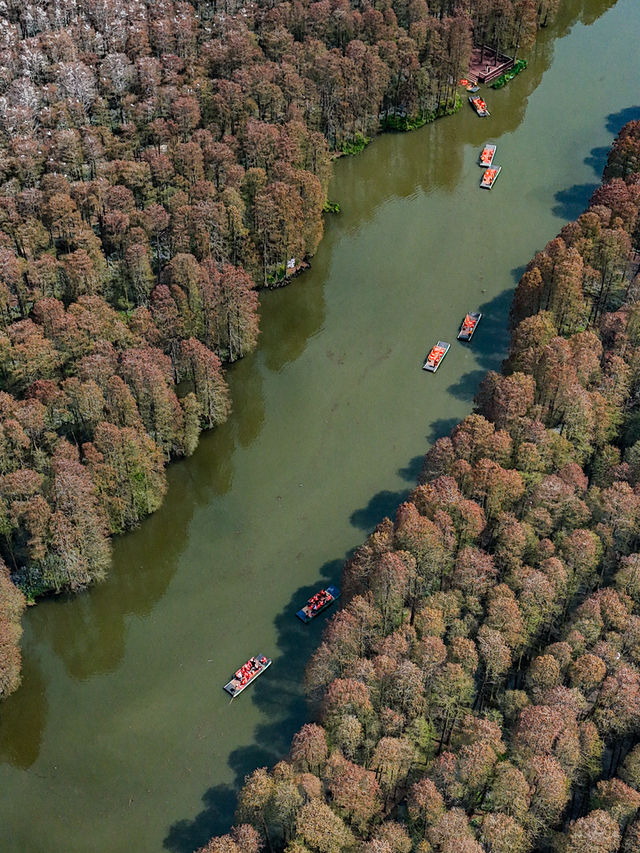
88,633
291,316
24,716
573,200
591,11
138,662
281,703
425,162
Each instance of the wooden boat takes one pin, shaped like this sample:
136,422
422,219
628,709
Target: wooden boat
490,177
487,154
317,603
473,87
247,674
479,106
469,325
434,359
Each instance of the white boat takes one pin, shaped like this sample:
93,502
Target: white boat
433,361
247,674
479,106
487,154
469,325
489,177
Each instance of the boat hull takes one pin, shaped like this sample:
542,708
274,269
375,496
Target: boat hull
487,183
234,687
305,614
486,155
482,111
430,366
466,336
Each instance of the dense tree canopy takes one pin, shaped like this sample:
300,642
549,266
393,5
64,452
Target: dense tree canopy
479,690
160,160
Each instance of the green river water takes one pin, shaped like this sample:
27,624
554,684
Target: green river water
121,737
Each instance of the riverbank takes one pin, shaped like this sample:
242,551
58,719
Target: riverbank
484,641
268,507
131,274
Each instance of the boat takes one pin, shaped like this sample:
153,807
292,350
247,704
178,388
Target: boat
473,87
489,177
469,325
479,106
247,674
317,603
487,154
434,359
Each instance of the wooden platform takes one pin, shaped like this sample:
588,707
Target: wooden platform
484,68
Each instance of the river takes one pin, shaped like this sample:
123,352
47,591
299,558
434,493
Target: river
121,737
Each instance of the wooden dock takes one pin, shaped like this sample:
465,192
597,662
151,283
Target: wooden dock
486,66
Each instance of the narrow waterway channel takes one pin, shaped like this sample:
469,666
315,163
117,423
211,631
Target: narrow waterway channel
121,737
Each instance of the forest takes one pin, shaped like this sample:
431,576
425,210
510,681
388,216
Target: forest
160,162
479,691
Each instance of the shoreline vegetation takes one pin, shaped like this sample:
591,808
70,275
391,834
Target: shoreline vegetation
503,79
479,691
160,162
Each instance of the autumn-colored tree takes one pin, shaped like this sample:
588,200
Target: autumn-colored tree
78,552
309,748
255,803
617,799
12,605
425,805
321,829
500,833
597,831
354,791
128,470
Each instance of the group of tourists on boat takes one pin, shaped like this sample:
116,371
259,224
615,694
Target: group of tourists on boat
436,354
487,154
489,177
249,669
479,105
468,324
319,600
256,665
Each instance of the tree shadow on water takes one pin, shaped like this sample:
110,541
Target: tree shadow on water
467,385
411,471
597,159
185,836
573,201
382,505
441,428
491,342
616,121
280,697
